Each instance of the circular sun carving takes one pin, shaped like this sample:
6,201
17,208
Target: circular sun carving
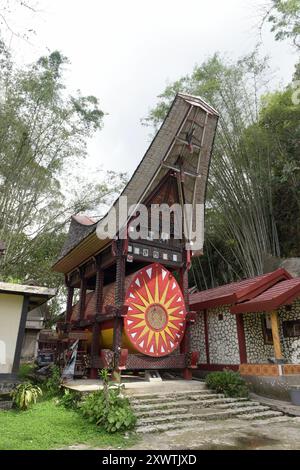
155,320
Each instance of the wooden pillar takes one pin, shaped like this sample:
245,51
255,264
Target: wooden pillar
241,338
82,295
185,344
70,295
275,334
119,300
95,347
206,336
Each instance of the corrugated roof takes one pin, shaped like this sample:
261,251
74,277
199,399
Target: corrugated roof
236,291
282,293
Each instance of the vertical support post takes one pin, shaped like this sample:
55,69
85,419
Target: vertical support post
185,344
119,300
82,294
95,347
69,303
241,338
206,336
275,334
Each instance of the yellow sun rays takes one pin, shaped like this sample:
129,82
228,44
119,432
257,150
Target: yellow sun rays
147,300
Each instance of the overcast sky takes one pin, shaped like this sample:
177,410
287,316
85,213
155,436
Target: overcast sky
125,51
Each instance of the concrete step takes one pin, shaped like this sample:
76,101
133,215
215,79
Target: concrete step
262,414
218,399
161,412
207,415
237,404
272,419
198,424
169,395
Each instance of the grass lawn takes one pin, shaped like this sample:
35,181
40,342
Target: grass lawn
49,426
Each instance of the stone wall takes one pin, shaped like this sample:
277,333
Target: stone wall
222,333
290,346
198,337
223,340
257,351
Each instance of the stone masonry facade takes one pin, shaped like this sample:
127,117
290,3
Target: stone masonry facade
223,339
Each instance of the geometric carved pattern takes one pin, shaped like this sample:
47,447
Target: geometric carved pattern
259,369
140,361
289,369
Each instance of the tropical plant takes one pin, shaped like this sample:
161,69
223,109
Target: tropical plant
228,382
70,399
108,407
25,394
52,384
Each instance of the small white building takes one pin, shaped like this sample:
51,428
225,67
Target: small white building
16,301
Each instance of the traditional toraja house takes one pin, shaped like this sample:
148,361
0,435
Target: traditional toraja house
133,311
15,302
252,326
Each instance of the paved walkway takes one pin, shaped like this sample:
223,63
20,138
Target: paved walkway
229,434
278,405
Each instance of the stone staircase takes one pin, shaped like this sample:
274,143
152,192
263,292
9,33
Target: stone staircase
188,409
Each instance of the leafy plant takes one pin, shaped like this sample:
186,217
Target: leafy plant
228,382
108,407
25,394
53,383
70,399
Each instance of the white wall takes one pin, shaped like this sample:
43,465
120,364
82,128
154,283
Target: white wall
10,315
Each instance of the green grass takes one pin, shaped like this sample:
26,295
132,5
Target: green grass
49,426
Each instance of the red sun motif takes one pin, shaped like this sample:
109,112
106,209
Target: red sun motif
155,320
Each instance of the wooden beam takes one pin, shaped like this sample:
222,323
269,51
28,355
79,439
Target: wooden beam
95,346
275,334
206,336
82,295
241,338
69,303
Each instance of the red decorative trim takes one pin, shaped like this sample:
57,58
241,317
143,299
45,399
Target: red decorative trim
123,359
206,336
194,359
217,367
241,338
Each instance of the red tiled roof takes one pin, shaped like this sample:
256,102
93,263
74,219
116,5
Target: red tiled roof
280,294
236,291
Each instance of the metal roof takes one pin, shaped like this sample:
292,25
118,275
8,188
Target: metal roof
237,291
282,293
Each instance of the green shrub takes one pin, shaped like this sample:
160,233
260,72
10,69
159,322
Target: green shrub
228,382
26,371
70,399
109,408
25,394
52,384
